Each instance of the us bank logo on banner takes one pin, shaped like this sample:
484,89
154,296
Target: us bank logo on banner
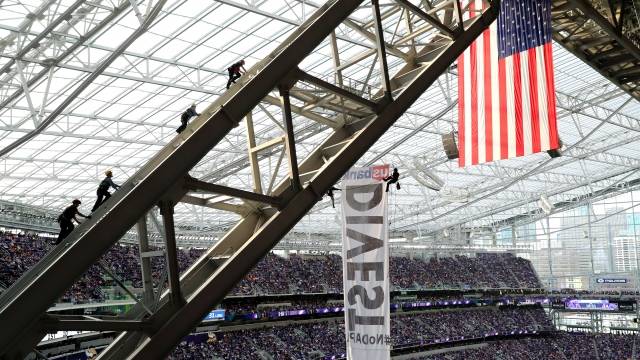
365,257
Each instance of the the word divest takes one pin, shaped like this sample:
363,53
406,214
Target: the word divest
365,255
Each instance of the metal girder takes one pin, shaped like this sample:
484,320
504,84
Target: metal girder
166,210
335,89
88,80
254,247
33,293
289,139
145,261
48,65
35,42
583,31
198,185
26,23
163,180
382,48
426,17
215,284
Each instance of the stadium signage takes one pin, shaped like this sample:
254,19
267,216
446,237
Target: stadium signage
376,173
366,264
611,281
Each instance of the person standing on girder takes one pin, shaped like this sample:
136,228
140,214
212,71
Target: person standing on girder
393,179
186,116
66,220
235,71
103,190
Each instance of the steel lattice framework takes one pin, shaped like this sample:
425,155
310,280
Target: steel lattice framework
117,120
89,86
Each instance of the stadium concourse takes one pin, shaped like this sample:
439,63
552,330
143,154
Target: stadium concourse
319,179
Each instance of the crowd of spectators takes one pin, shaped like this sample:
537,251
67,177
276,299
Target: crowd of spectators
444,326
560,346
482,271
278,275
299,341
19,252
325,339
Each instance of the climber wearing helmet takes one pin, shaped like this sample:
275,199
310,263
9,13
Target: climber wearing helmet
103,190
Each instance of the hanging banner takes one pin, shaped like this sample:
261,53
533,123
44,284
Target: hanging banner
365,263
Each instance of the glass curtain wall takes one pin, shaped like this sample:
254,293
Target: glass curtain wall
585,246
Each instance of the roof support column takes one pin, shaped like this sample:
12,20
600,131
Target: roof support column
290,144
145,261
253,155
166,210
382,55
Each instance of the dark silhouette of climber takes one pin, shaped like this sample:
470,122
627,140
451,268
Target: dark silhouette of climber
393,179
66,220
235,71
331,195
186,116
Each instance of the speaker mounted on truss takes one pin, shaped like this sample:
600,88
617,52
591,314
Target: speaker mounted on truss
450,146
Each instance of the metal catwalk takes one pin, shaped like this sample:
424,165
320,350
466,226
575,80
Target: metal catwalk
435,36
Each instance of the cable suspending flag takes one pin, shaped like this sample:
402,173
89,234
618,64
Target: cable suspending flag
506,90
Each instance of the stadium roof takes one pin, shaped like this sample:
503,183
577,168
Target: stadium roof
131,109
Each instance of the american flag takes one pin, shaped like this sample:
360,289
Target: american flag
506,104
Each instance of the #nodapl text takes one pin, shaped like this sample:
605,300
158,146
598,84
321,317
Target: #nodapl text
367,339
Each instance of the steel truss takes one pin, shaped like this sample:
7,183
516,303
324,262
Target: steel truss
598,33
352,118
196,80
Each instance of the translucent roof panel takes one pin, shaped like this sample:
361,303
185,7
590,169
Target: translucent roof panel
128,112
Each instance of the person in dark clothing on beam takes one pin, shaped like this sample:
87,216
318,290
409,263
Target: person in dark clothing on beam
186,116
235,71
331,195
393,179
66,220
103,190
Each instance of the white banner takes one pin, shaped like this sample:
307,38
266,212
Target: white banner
365,263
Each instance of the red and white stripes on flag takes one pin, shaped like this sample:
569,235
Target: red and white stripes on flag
506,105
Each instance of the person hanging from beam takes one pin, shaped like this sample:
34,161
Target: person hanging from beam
66,220
331,195
235,71
186,116
103,190
393,179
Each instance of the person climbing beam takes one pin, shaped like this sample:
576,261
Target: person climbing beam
393,179
103,190
66,220
235,71
186,116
